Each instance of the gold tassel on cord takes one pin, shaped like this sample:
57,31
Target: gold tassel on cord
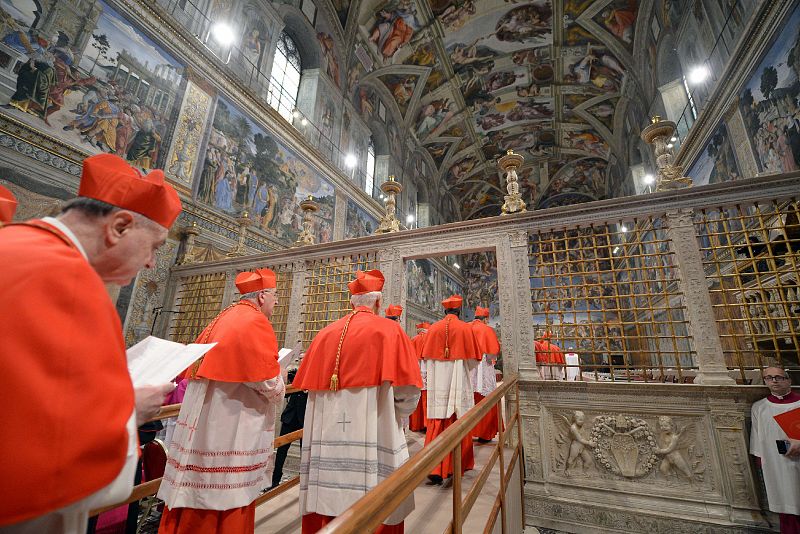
334,382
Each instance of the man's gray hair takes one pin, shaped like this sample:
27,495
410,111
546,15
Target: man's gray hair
366,299
94,209
253,295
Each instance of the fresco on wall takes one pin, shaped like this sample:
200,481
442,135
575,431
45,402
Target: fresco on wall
358,222
593,66
421,289
480,272
716,162
770,102
393,27
328,49
432,115
93,81
450,287
246,169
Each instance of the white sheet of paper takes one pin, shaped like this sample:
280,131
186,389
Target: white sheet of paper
155,361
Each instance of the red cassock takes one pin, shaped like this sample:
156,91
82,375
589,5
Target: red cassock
547,352
416,422
246,351
487,341
374,350
450,339
67,394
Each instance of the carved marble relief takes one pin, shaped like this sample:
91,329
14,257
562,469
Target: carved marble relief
646,449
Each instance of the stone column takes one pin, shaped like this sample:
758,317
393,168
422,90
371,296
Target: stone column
294,318
516,312
699,311
390,262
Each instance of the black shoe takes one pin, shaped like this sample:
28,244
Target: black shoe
434,480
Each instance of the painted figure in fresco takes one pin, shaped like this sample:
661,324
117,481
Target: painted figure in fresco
498,80
455,15
620,21
432,115
331,64
223,198
205,191
394,26
251,47
524,22
143,151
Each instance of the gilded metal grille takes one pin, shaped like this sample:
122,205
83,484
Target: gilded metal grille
609,294
751,255
326,297
199,300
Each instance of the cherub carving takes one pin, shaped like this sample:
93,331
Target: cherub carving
578,455
671,442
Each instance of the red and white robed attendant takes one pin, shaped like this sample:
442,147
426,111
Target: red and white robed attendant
70,443
417,420
450,353
484,379
362,378
221,455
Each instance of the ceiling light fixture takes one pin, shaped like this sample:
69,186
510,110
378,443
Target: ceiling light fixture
673,139
409,219
648,179
457,266
223,33
350,160
670,145
304,121
296,113
699,74
623,228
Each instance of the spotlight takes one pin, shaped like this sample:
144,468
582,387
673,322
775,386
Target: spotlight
350,160
698,74
381,197
223,34
648,179
304,121
670,145
457,266
409,219
296,113
616,249
673,139
623,228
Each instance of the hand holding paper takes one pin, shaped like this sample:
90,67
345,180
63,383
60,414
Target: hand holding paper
155,361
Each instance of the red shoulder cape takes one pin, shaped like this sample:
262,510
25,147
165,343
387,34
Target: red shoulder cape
460,340
486,337
546,352
374,350
67,394
247,349
417,342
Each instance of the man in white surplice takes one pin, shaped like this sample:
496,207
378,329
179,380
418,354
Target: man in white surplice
781,471
362,379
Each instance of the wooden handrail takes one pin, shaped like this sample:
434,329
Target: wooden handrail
150,487
370,511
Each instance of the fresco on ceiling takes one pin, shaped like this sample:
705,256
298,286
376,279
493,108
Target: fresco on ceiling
604,112
461,169
770,102
365,101
619,18
501,79
594,67
584,178
328,49
716,162
342,8
100,85
353,75
393,27
421,284
585,139
505,114
395,143
432,115
246,169
455,130
672,11
401,86
530,184
453,14
358,222
480,274
438,152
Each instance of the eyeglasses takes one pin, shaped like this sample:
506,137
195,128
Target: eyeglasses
776,378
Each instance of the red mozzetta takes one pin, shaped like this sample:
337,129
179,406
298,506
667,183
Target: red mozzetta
69,352
374,350
452,334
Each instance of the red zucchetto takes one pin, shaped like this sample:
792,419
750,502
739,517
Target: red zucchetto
451,303
109,178
394,310
423,326
366,282
481,312
8,205
247,282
